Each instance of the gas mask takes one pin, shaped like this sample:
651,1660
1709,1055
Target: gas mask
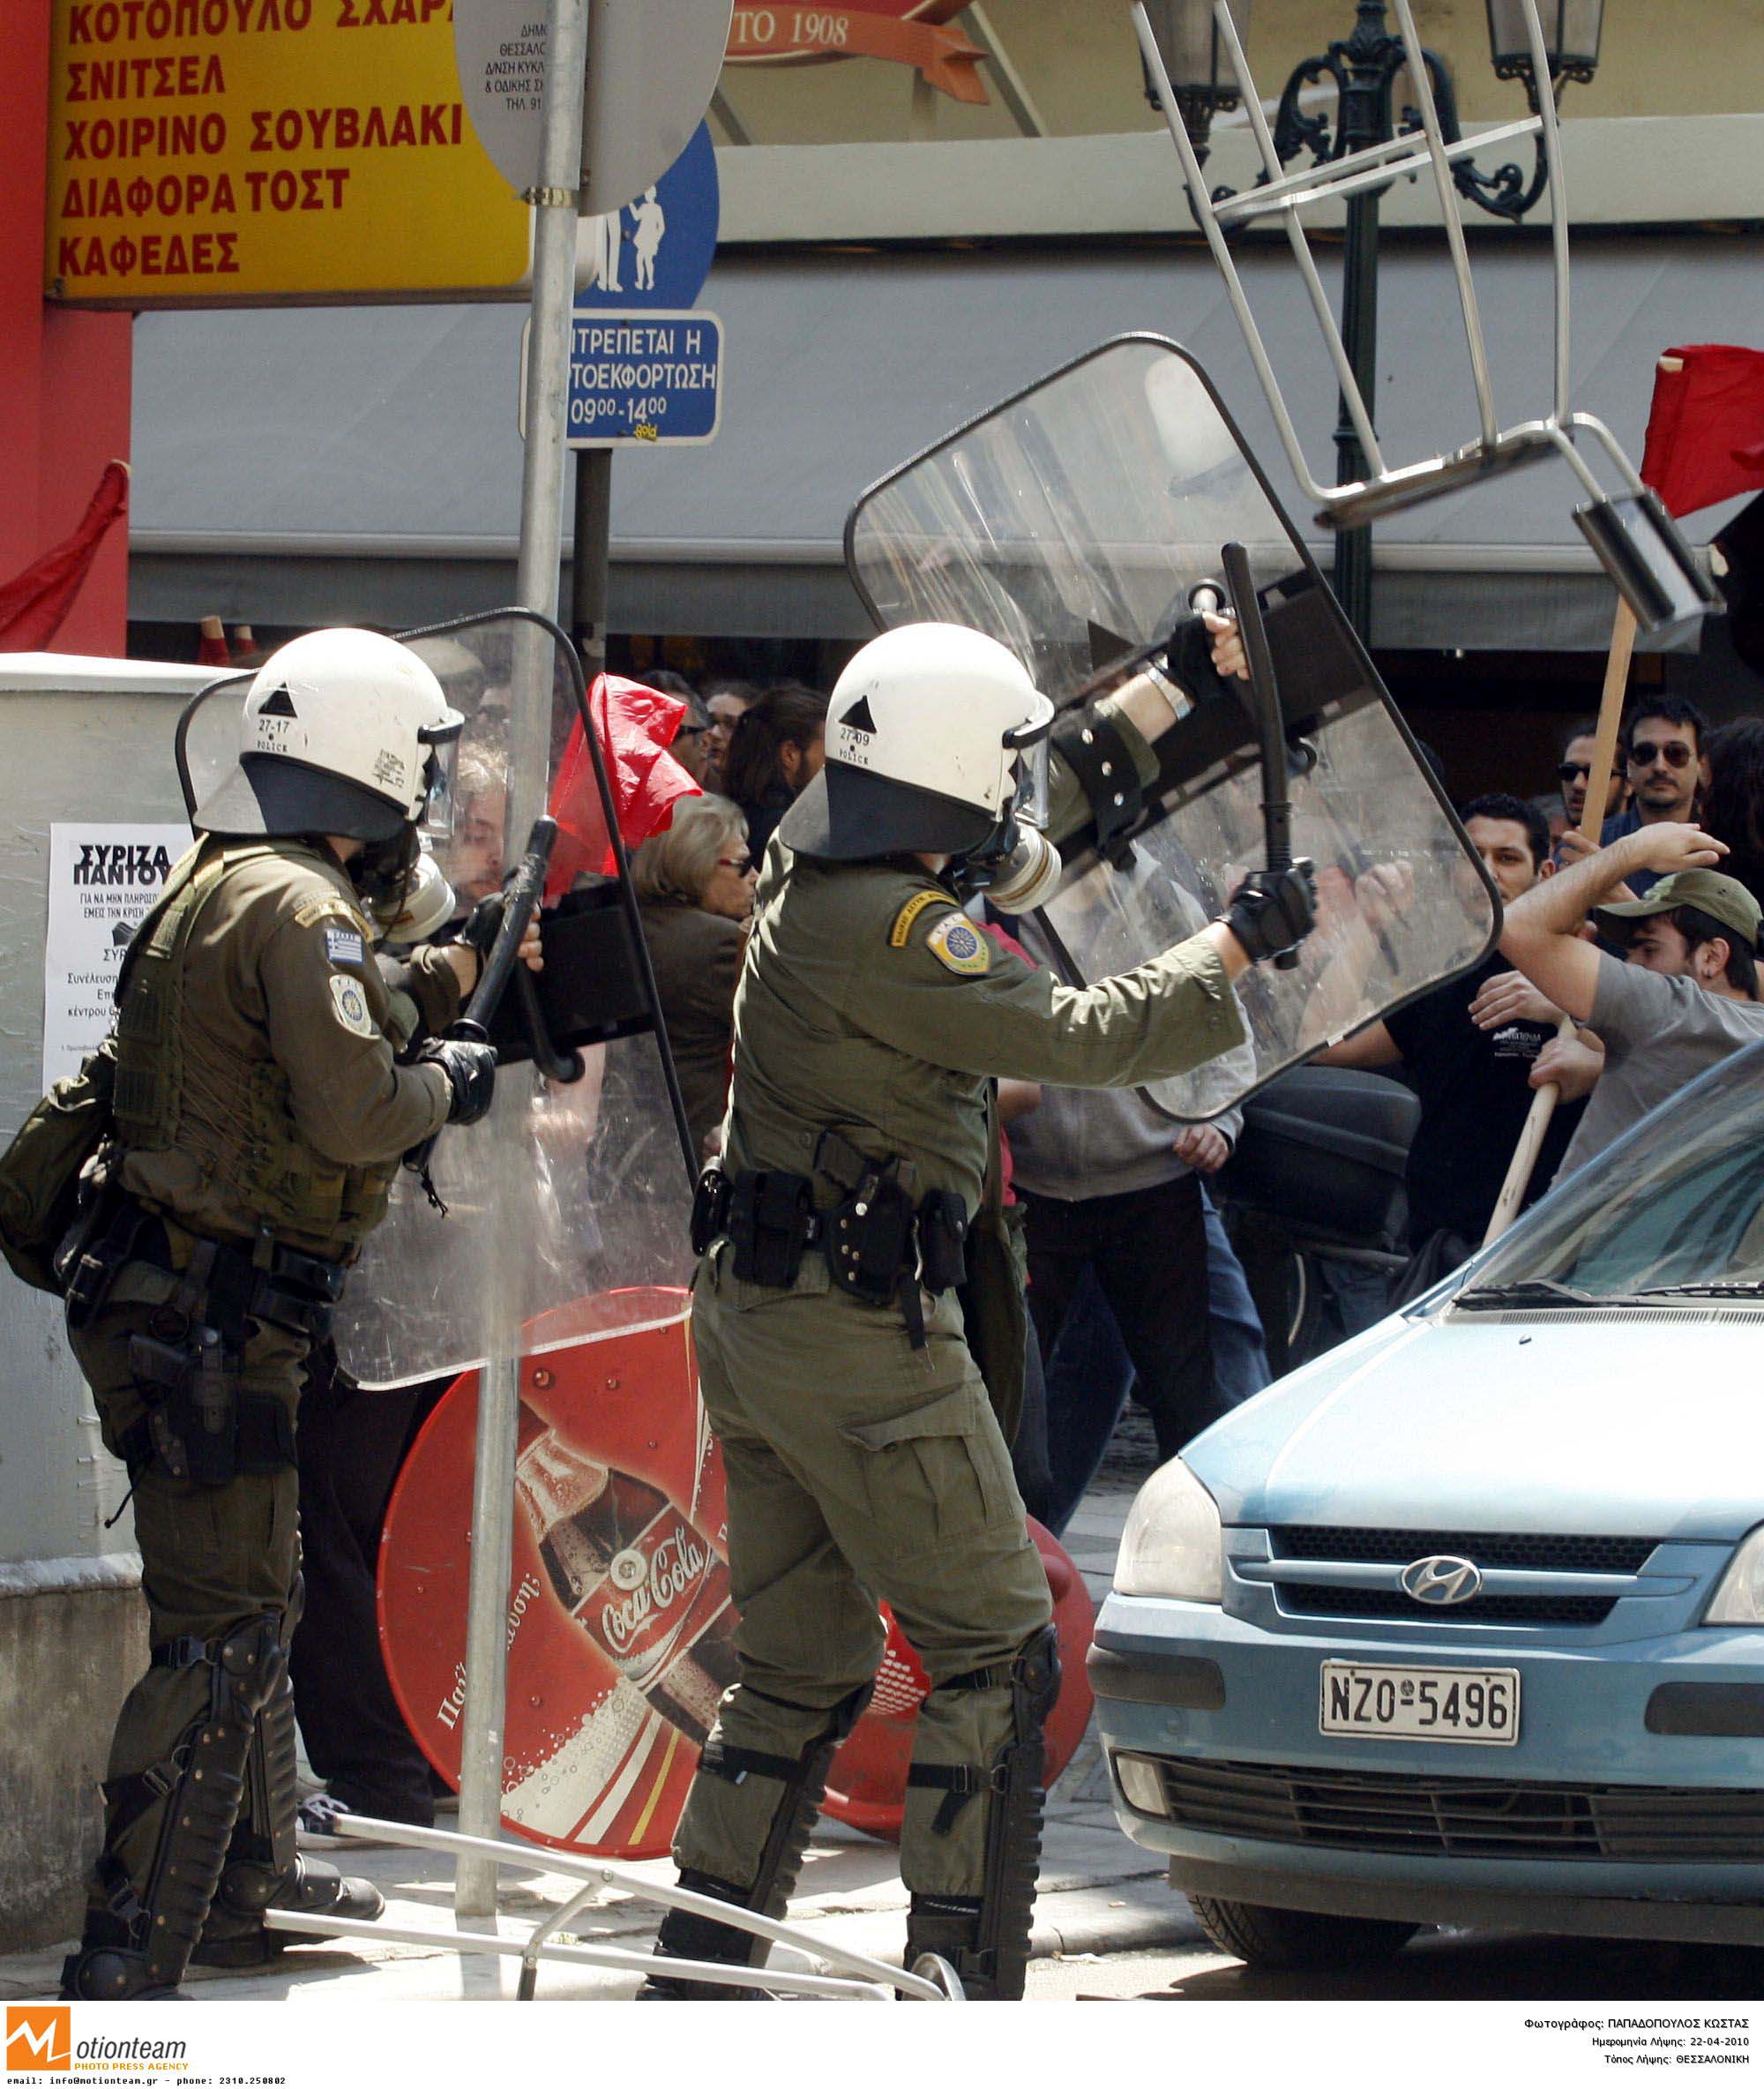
1016,866
385,872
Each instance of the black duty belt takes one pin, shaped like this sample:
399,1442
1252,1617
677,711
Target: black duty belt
264,1282
880,1246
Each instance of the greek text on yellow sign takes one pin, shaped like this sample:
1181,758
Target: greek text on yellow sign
216,152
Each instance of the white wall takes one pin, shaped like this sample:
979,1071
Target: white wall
68,755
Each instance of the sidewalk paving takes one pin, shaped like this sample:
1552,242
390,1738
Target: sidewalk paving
1100,1893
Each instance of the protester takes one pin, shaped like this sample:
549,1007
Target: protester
1089,1376
1686,997
691,744
694,885
1572,770
1662,741
1469,1048
1111,1185
350,1446
1733,808
777,745
725,698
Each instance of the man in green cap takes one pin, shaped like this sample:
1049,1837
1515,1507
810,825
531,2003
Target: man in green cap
1685,998
863,1459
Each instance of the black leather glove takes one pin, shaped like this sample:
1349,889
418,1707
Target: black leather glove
1272,910
471,1073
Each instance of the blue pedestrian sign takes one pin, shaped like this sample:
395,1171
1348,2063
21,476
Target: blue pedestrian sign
638,377
655,253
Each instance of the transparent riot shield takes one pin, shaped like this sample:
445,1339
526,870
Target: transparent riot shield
604,1187
1072,522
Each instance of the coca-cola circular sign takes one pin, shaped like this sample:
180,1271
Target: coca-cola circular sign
620,1626
619,1620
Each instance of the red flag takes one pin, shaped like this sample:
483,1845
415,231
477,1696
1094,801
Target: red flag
32,606
634,726
1706,427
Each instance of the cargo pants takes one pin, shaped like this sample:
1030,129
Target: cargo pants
858,1468
211,1556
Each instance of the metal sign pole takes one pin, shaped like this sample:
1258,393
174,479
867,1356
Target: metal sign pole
588,566
554,198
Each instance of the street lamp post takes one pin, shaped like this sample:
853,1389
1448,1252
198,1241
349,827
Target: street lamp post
1364,68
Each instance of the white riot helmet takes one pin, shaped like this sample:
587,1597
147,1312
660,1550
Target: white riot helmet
343,732
936,742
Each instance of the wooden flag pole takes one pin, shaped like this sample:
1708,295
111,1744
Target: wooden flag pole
1592,820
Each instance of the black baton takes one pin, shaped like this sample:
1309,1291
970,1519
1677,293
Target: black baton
1263,704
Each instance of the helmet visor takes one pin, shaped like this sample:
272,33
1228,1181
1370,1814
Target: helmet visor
442,743
1030,804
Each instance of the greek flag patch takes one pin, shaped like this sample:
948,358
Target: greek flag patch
343,946
959,947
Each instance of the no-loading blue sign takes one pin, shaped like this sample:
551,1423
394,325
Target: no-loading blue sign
640,377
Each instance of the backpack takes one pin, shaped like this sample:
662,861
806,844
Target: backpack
41,1170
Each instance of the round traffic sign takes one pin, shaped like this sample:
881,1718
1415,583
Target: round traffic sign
652,71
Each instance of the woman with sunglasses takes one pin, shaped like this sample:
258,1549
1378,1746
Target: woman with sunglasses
695,893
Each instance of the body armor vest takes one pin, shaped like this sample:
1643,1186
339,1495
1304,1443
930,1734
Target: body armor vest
227,1114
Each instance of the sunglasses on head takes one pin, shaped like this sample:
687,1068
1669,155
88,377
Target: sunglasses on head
1678,754
1570,772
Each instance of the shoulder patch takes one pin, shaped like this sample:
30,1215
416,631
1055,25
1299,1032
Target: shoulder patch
344,946
909,914
328,906
349,1003
959,947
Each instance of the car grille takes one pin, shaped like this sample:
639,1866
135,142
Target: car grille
1331,1599
1443,1816
1487,1548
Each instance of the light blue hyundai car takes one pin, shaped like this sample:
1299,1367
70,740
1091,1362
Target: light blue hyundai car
1464,1623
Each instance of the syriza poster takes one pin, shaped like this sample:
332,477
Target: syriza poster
104,877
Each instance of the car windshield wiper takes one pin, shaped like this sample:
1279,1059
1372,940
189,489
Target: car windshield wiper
1714,1287
1530,1291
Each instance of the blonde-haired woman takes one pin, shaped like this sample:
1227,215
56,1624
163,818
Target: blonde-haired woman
695,894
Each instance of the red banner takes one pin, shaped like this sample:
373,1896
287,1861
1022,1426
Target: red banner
34,604
945,57
1705,429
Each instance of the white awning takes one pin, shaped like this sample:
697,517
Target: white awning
308,465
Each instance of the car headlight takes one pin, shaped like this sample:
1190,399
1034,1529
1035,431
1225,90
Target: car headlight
1173,1544
1739,1598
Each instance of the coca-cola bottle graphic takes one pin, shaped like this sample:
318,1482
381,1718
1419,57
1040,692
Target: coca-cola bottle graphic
642,1582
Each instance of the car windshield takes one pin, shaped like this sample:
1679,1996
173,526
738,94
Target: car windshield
1675,1208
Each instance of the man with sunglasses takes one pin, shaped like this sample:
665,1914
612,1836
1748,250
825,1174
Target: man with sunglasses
1662,740
1572,773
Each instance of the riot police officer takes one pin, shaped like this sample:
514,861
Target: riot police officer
258,1118
863,1459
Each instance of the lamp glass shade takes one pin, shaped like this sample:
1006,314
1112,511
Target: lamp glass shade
1571,28
1188,40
